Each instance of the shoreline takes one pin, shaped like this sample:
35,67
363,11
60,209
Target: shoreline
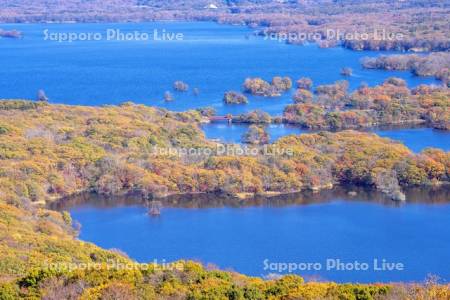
367,193
242,192
257,32
413,124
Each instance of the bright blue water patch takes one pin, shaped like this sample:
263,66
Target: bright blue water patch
214,58
416,139
415,235
232,133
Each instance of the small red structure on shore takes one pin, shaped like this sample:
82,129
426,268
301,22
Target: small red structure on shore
228,118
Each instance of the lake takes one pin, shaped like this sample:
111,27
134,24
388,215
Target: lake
415,139
256,236
211,57
246,236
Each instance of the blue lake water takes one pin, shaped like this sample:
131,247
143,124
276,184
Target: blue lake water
243,238
416,139
216,58
211,57
232,133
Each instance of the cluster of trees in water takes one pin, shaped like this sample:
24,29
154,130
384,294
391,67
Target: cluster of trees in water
254,117
434,64
181,87
256,135
392,103
233,97
346,71
331,106
260,87
14,34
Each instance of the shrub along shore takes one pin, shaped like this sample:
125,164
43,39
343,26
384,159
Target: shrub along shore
51,151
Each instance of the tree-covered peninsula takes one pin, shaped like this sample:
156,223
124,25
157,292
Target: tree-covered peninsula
50,151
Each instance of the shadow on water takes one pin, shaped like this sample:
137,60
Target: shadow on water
428,195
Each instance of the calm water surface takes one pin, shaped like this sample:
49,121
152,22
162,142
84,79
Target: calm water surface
416,139
214,58
242,237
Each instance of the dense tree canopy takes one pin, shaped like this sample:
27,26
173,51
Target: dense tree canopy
256,135
391,103
233,97
434,64
58,150
260,87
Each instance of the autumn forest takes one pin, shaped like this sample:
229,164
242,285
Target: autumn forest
51,151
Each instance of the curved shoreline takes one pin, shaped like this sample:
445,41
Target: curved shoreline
441,194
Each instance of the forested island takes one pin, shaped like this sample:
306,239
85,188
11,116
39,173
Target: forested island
260,87
332,106
233,97
50,151
13,34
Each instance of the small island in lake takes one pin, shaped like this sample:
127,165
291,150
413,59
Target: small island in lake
260,87
233,97
13,34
